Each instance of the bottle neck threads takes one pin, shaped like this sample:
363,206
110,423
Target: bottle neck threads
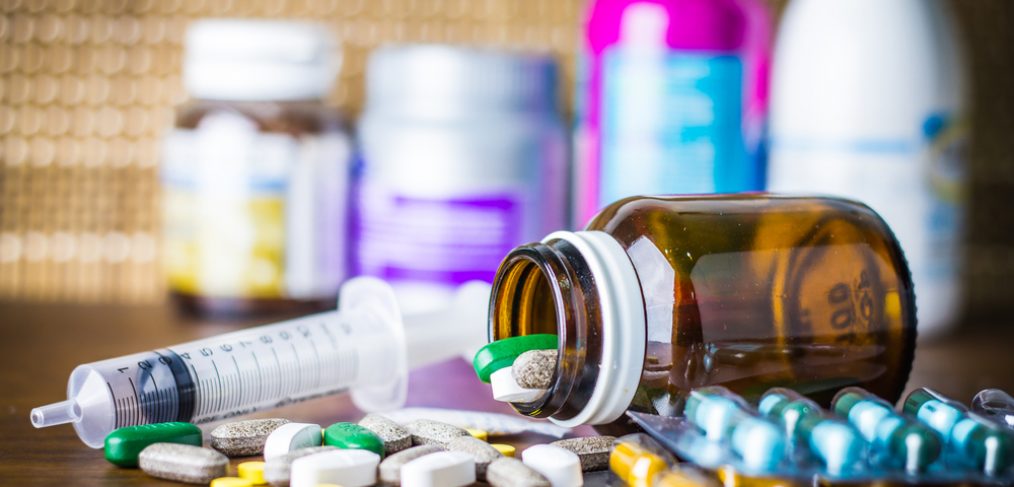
582,287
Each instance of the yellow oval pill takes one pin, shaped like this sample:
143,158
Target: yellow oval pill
477,433
231,482
252,471
504,449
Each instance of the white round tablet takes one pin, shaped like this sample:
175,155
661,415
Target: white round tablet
442,469
348,468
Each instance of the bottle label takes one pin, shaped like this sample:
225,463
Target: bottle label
249,214
672,124
437,242
916,184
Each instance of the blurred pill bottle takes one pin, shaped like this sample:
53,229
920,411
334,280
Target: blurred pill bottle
880,117
660,295
463,158
671,98
254,174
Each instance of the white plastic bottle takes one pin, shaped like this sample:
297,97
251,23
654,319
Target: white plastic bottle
868,102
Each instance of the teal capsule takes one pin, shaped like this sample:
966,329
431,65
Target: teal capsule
715,410
759,443
970,439
996,405
983,445
834,442
838,446
935,410
124,445
895,439
787,407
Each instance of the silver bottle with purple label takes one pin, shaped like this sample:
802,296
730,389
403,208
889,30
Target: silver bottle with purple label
463,157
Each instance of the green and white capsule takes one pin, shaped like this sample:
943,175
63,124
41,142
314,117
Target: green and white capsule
787,408
970,440
725,417
715,410
834,442
896,440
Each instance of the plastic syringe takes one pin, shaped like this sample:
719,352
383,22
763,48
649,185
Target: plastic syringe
363,347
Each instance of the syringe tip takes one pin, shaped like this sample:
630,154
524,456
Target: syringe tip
56,413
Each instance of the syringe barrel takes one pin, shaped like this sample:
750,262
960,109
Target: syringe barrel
240,372
361,347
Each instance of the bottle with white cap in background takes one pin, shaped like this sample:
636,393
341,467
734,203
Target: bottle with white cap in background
254,174
463,158
869,102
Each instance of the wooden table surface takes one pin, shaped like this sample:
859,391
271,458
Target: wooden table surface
41,344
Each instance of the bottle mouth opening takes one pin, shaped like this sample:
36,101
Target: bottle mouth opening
535,292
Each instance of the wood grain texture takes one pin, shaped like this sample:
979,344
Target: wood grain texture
40,345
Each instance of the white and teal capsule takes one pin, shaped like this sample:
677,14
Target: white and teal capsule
724,417
970,440
895,440
834,442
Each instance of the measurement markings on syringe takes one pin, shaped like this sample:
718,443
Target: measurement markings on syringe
206,381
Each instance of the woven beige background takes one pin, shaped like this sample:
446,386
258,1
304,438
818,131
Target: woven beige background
87,87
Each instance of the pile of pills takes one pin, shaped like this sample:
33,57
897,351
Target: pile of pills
419,453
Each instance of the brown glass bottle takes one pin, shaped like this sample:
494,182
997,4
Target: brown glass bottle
664,294
300,121
255,172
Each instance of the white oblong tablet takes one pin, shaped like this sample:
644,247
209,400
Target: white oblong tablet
289,437
441,469
348,468
506,389
561,466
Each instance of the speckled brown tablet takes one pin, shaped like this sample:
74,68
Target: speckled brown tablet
183,463
278,469
534,369
390,468
482,452
394,435
592,450
428,432
511,472
244,438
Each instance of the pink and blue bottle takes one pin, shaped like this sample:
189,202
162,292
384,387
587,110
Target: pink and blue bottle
672,99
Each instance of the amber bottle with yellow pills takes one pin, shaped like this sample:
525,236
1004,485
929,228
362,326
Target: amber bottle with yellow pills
663,294
255,172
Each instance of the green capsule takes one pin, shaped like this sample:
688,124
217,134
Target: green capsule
353,436
788,408
898,440
935,410
715,410
501,353
835,442
125,444
983,445
971,440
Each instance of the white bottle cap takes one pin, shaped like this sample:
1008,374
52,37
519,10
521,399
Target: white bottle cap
259,60
439,82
